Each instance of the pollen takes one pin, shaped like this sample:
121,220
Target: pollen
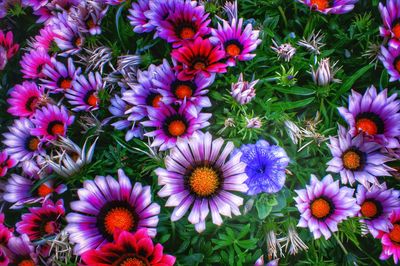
369,209
351,160
204,181
132,262
176,128
57,128
27,262
33,143
233,50
367,125
320,208
396,30
187,33
183,91
320,4
92,100
120,218
395,233
44,190
50,228
156,101
65,84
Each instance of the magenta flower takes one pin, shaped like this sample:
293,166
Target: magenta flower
33,62
137,17
391,240
25,99
391,21
84,93
330,6
7,42
59,77
390,58
21,251
6,162
45,39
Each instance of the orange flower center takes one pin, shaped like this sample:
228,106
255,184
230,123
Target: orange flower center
27,262
204,181
78,41
183,91
33,143
320,208
367,125
133,262
320,4
187,33
397,64
65,84
31,103
396,30
44,190
369,209
176,128
56,128
199,66
156,101
395,233
50,228
92,100
233,50
351,160
90,23
119,217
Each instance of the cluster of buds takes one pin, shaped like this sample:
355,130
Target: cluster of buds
243,91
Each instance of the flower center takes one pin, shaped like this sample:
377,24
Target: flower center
132,261
396,63
44,190
183,91
204,181
65,83
119,217
51,228
396,28
395,233
31,103
91,99
187,33
321,208
27,262
32,143
370,123
78,41
90,23
199,65
320,4
177,128
55,128
371,209
155,101
353,159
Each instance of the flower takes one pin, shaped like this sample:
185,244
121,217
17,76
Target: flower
231,10
59,77
171,123
273,245
51,121
42,221
46,39
199,57
7,43
33,62
391,23
186,22
293,242
236,43
265,167
284,51
87,15
21,251
84,92
390,240
325,73
106,206
390,58
324,204
6,162
254,122
21,144
313,43
243,91
159,11
25,99
137,17
129,249
261,262
376,115
198,174
377,204
330,6
356,159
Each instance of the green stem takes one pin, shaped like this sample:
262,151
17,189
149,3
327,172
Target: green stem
283,16
340,244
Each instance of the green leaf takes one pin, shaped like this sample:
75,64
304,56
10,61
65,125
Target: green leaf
351,80
295,90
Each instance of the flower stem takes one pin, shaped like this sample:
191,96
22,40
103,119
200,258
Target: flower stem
340,244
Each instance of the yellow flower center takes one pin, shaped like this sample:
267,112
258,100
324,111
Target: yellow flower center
204,181
156,101
44,190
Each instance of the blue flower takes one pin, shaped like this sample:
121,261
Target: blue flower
265,168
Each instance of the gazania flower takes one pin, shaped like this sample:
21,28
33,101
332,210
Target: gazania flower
391,240
390,58
51,121
324,204
356,159
21,251
171,124
199,57
7,42
330,6
24,99
5,235
137,17
129,249
42,222
199,175
33,62
377,204
106,206
69,39
243,91
6,163
84,93
88,16
21,144
46,39
391,21
325,73
59,77
284,51
186,22
265,167
236,43
374,114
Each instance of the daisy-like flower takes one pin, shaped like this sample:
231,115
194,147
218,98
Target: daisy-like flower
391,240
186,22
199,57
42,222
21,251
374,114
237,43
129,249
390,58
377,204
5,235
325,73
284,51
7,42
84,92
330,6
171,123
159,10
88,16
137,17
199,174
324,204
25,99
6,162
356,159
59,77
106,206
21,144
45,39
51,121
33,62
243,91
35,4
391,21
265,167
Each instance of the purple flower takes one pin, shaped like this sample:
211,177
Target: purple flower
171,123
391,60
265,167
33,62
6,162
88,16
376,115
21,251
105,206
199,175
377,204
137,17
324,204
84,93
243,91
236,43
356,159
25,98
59,77
391,21
330,6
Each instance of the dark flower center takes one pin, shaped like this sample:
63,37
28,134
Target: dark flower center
31,103
370,123
154,100
186,30
233,47
354,159
131,260
77,41
394,234
175,126
371,209
321,208
64,83
91,98
182,89
32,143
56,128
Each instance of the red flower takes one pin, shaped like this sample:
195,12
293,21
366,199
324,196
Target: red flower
133,249
7,42
199,57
